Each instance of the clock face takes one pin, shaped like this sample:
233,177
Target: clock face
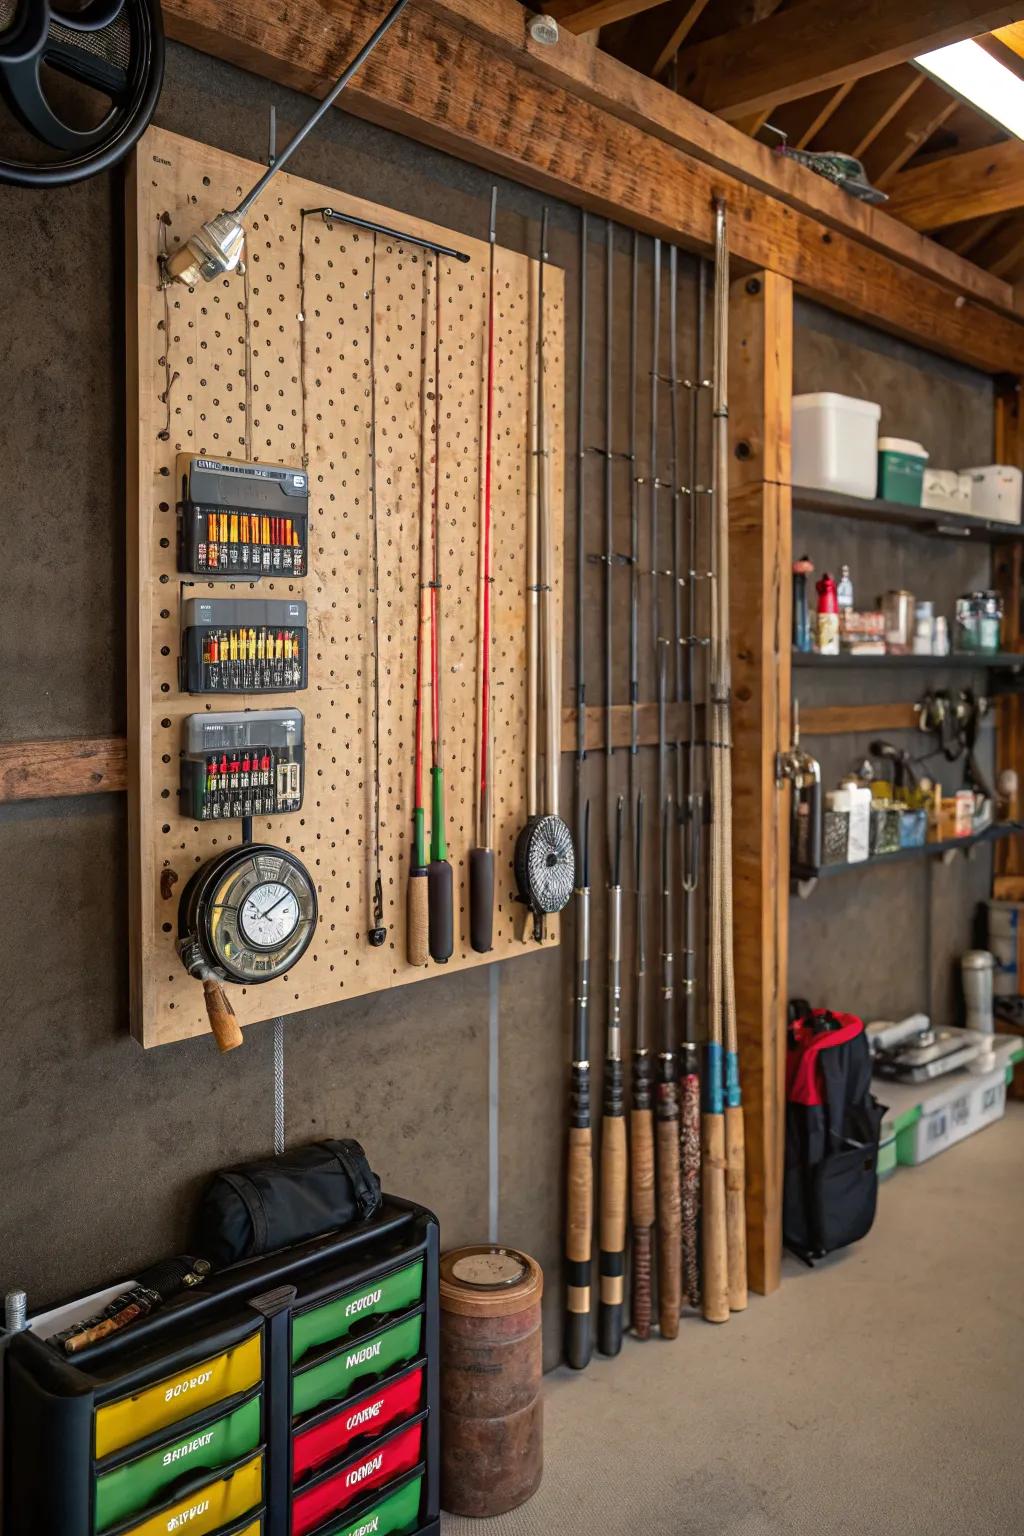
269,915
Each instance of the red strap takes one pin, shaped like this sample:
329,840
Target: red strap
803,1077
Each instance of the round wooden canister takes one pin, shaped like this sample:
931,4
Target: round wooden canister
492,1425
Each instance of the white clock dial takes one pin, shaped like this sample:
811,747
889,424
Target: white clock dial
269,915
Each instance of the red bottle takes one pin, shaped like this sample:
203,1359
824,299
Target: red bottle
826,634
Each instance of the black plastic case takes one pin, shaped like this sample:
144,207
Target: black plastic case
242,522
243,645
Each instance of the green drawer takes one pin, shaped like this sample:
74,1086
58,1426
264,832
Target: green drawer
371,1355
395,1514
374,1298
137,1484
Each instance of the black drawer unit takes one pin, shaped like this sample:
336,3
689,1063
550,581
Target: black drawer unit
293,1395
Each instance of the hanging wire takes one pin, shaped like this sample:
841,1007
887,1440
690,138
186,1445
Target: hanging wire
278,1087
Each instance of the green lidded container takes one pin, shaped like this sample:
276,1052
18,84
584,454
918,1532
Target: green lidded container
395,1514
369,1355
335,1319
901,466
138,1484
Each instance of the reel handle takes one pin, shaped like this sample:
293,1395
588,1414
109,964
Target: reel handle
481,899
225,1026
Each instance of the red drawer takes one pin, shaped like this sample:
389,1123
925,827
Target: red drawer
343,1485
370,1414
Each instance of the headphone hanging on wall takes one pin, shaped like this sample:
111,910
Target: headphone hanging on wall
111,50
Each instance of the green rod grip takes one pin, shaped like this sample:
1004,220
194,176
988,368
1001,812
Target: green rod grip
438,838
419,838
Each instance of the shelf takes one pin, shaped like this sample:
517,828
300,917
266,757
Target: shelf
1000,661
994,834
923,520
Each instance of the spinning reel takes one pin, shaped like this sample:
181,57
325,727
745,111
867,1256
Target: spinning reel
110,49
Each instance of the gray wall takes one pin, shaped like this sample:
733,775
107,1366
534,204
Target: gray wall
861,941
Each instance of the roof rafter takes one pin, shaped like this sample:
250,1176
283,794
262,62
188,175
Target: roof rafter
959,187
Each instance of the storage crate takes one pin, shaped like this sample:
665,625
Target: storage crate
886,1165
835,443
952,1113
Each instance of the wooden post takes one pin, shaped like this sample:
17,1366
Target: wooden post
760,506
1008,577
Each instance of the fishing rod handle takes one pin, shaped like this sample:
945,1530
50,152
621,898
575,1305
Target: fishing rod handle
439,915
612,1261
579,1241
689,1149
735,1207
670,1259
481,900
615,980
643,1209
714,1242
221,1015
417,917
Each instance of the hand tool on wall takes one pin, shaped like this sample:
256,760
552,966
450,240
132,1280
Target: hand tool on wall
481,857
378,933
439,874
417,896
580,1195
641,1121
544,855
612,1262
217,247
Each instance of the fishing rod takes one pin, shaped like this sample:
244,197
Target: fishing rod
609,505
417,898
481,858
735,1151
612,1261
545,859
439,873
634,541
378,933
654,482
667,1112
691,827
641,1121
713,1136
579,1204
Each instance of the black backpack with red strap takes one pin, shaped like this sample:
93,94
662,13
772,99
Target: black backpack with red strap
833,1124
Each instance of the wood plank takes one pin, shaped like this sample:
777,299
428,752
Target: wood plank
761,386
907,130
654,42
965,238
1003,254
583,15
50,770
801,120
851,719
676,717
871,105
467,34
957,187
480,105
815,44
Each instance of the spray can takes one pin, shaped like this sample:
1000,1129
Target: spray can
827,629
802,568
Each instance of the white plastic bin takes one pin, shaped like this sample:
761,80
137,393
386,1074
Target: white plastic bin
835,444
996,492
951,1113
1006,942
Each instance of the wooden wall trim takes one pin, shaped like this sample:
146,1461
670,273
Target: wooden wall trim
439,79
49,770
851,719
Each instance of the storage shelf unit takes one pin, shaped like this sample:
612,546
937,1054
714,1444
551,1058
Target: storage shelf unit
994,834
292,1396
999,661
925,520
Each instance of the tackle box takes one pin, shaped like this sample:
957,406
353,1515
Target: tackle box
292,1396
242,522
241,645
243,763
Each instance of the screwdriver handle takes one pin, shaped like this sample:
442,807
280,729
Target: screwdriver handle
222,1018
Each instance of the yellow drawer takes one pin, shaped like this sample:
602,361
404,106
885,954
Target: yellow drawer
209,1508
178,1397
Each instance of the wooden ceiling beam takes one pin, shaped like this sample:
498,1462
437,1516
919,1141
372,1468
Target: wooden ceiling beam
651,42
585,15
1003,253
967,237
958,187
817,43
907,130
869,108
801,120
575,123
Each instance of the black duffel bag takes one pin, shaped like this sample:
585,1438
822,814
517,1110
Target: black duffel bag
260,1207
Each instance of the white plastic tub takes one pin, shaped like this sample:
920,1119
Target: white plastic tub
996,492
1006,942
953,1112
835,443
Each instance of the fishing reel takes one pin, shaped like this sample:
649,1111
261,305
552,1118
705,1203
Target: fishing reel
246,917
545,868
112,50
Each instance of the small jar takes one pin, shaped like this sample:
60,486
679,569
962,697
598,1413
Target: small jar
990,625
967,632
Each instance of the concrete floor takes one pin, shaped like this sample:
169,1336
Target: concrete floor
882,1393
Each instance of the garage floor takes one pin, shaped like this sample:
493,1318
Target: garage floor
882,1393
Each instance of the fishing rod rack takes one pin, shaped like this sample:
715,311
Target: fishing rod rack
270,366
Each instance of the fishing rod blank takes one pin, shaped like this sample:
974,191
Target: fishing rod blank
418,903
634,541
667,1112
579,1236
378,933
612,1262
641,1122
481,858
439,874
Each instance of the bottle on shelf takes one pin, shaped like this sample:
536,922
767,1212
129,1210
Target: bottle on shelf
802,568
844,589
827,628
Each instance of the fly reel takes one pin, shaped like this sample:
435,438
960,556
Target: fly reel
545,867
246,917
109,50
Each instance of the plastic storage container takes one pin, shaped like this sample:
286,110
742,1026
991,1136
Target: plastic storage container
901,467
886,1165
1006,943
951,1114
946,490
835,443
995,492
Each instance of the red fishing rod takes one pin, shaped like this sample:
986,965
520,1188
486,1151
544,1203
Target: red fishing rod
481,858
418,906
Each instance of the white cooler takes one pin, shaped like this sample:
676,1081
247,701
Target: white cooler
835,444
995,492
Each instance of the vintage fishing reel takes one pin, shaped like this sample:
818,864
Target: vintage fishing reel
110,50
246,917
545,868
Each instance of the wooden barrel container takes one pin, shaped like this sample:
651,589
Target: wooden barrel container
492,1427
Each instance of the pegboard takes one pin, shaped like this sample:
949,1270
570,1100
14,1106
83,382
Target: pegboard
273,366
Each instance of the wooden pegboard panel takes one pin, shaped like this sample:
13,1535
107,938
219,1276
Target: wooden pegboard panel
233,370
